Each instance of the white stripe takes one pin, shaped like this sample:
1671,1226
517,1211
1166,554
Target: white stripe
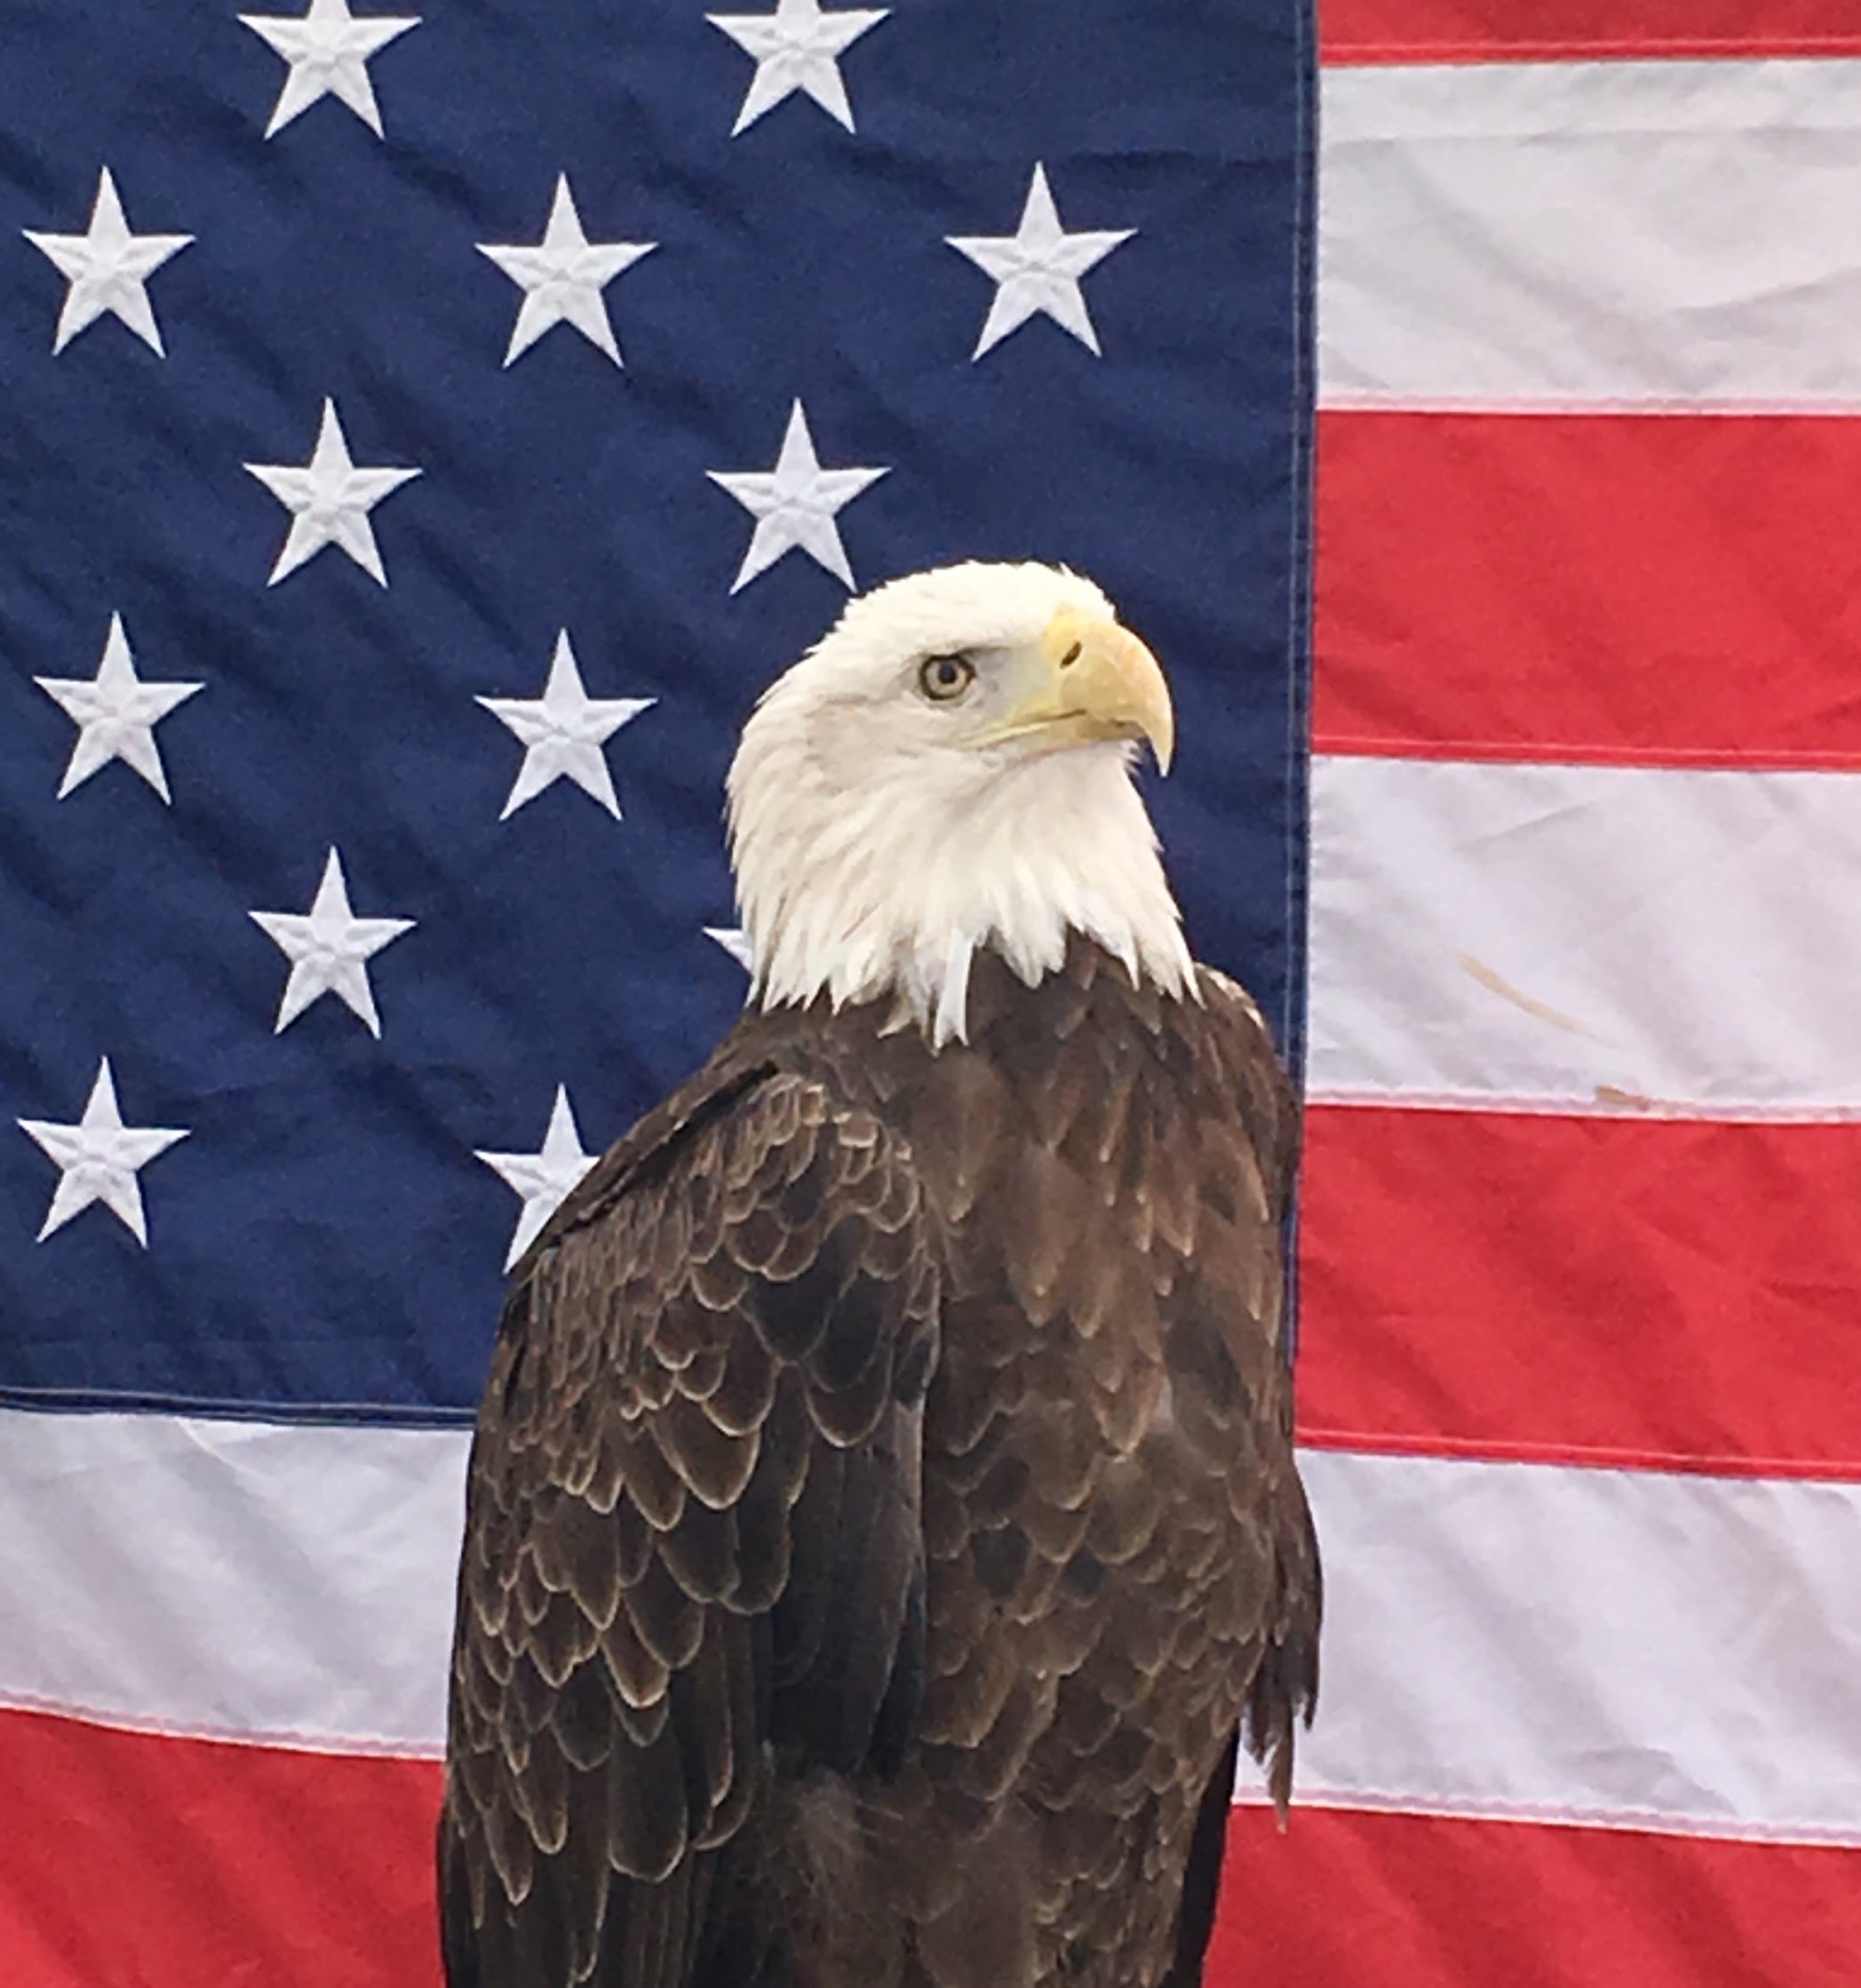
1606,234
1500,1639
231,1580
1587,938
1511,1640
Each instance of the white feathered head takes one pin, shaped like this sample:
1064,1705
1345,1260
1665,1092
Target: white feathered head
951,769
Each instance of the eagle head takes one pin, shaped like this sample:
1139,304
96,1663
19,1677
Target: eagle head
949,770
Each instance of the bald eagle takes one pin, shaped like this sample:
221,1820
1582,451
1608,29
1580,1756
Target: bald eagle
882,1520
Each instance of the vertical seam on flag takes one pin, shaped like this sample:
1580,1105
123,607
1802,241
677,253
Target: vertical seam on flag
1299,631
1296,838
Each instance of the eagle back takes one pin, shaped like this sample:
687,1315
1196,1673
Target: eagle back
907,1423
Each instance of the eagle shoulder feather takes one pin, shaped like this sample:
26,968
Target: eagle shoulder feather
693,1535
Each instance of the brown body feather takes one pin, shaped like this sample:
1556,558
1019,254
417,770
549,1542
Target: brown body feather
883,1515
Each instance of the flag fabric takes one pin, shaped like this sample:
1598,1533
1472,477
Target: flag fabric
1580,1253
425,431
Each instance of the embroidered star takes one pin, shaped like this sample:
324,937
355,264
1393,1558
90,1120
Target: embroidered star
795,504
797,47
328,49
1037,269
329,499
544,1180
563,276
735,941
328,948
107,269
563,731
98,1158
116,713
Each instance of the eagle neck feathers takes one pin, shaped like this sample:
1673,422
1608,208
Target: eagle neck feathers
893,892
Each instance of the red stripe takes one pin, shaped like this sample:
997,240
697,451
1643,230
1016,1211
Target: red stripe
1588,1290
1385,1901
134,1862
166,1862
1661,589
1529,30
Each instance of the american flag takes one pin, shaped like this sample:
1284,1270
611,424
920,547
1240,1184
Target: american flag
422,434
364,858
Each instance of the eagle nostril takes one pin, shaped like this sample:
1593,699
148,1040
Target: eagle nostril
1071,655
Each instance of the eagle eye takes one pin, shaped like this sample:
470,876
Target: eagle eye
943,679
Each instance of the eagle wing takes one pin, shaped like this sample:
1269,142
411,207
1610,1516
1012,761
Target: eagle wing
1286,1686
693,1535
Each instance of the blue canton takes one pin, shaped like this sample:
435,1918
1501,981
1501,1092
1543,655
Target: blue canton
423,436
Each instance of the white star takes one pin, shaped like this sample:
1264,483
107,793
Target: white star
797,47
328,949
543,1179
98,1159
563,732
562,278
795,504
330,500
735,941
116,713
1038,268
108,268
329,51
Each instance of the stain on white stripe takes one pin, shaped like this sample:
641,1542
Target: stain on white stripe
1565,937
1598,1646
231,1580
1605,235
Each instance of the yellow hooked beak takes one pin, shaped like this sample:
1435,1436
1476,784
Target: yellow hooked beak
1096,680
